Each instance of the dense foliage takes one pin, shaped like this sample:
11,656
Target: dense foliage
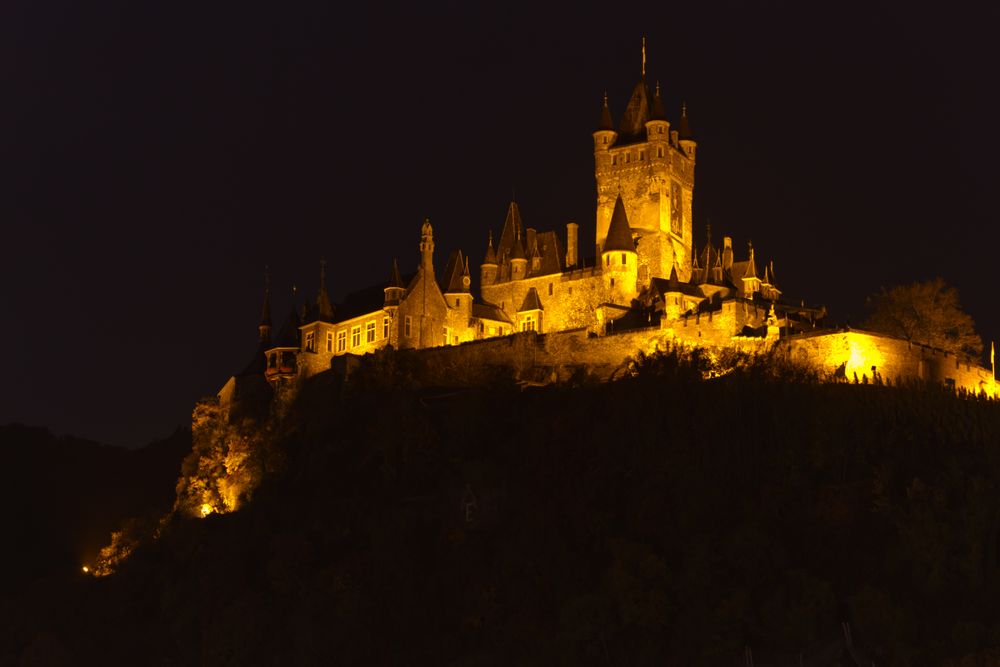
659,519
925,312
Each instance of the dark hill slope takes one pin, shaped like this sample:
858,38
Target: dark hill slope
61,497
656,519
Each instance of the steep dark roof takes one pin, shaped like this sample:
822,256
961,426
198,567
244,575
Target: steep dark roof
394,278
531,301
665,286
453,272
657,112
551,256
289,336
491,254
512,229
684,127
487,311
633,124
751,271
366,300
605,123
619,233
265,315
516,250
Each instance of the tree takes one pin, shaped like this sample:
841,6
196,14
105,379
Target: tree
925,312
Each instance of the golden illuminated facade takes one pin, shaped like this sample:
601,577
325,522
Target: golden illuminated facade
647,278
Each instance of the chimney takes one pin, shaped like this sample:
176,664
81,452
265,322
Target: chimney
572,229
727,253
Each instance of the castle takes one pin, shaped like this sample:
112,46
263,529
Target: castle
647,277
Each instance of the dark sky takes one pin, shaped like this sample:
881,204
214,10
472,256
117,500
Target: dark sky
157,155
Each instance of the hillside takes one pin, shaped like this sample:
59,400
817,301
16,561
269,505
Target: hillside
659,519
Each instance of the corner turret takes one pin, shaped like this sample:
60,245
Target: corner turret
264,328
394,289
488,269
684,135
618,257
324,309
658,127
605,135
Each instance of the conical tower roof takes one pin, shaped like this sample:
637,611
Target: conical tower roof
512,227
605,123
395,280
265,315
491,254
684,127
751,271
657,112
619,232
633,123
517,248
453,273
324,309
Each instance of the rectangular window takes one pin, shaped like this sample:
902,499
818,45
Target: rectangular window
355,336
628,158
659,151
457,303
642,155
310,337
385,327
329,341
370,332
408,326
528,324
623,258
550,289
341,341
612,282
614,160
446,335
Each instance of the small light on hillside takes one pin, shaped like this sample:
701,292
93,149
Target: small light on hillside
86,570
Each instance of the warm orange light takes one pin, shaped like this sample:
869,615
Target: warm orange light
86,570
206,509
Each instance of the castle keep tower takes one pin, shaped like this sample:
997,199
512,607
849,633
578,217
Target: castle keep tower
652,168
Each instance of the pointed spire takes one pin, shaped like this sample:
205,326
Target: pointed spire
673,284
324,309
466,273
751,271
684,127
658,112
427,247
395,280
605,124
491,254
517,247
643,72
619,232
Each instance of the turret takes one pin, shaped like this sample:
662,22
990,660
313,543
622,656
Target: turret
458,283
672,296
658,127
684,135
605,135
264,328
488,269
751,282
727,253
324,309
518,260
427,247
619,261
394,289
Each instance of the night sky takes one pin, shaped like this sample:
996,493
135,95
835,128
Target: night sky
157,156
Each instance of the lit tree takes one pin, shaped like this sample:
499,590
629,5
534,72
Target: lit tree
925,312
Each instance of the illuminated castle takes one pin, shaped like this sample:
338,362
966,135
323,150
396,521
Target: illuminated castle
647,277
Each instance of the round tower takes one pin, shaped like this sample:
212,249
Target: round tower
658,127
518,260
686,138
619,260
488,269
605,135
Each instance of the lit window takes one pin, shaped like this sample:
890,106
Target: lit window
408,326
446,336
528,324
329,341
341,341
385,327
605,140
659,151
355,336
370,332
309,341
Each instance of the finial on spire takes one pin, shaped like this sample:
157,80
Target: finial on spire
322,272
644,57
605,98
657,88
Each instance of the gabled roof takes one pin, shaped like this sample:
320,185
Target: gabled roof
487,311
671,285
619,233
531,301
550,254
453,272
